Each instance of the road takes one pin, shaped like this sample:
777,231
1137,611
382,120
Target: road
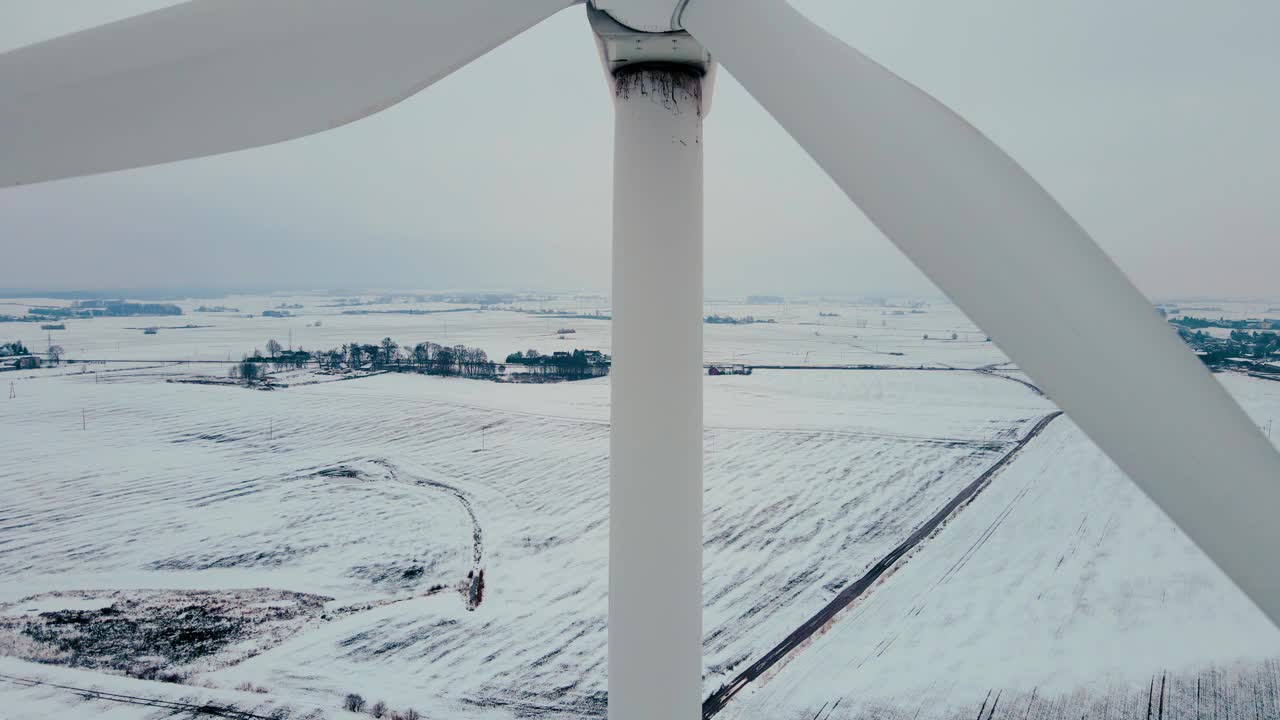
717,700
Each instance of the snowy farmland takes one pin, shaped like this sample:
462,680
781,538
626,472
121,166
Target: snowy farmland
440,544
1062,582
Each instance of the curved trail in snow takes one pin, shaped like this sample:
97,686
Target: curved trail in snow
990,371
475,578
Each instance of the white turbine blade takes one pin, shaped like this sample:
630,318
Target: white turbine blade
1011,257
212,76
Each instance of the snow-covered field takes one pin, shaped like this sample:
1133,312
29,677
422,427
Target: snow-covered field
393,495
854,334
1061,577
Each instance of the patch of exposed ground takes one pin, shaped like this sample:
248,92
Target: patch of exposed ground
153,634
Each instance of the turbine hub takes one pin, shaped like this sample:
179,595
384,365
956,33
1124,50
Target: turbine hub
651,16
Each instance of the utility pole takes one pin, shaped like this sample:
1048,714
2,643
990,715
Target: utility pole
84,424
12,393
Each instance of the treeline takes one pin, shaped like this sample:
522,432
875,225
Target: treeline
565,314
85,309
427,358
574,365
730,320
120,308
14,348
388,355
1198,323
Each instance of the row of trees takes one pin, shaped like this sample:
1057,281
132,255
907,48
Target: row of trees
13,348
16,347
573,365
424,357
1194,323
730,320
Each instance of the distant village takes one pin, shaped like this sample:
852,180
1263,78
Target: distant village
1252,345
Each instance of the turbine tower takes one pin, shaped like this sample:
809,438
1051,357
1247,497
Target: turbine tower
661,85
213,76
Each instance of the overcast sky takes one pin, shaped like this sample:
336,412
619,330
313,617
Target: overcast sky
1156,123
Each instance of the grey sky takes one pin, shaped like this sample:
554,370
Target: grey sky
1156,123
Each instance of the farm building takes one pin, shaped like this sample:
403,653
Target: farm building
25,362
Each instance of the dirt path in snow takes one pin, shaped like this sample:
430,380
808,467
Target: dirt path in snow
717,700
991,371
475,578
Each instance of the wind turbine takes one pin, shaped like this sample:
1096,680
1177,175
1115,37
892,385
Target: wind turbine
213,76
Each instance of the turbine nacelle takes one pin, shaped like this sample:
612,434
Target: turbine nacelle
649,16
622,47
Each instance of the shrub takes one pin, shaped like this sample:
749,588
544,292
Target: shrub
353,702
379,709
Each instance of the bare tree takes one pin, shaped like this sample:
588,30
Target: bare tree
273,347
444,359
422,354
389,348
249,371
55,354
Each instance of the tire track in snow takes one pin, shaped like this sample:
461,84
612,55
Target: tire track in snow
991,371
475,578
716,701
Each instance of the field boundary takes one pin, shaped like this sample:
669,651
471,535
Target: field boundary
174,705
